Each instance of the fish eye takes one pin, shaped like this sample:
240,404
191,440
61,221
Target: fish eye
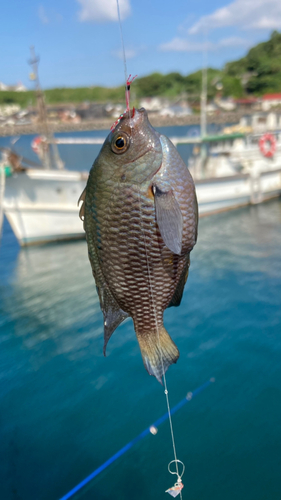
120,143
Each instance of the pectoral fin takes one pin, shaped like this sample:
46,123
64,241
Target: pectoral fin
169,219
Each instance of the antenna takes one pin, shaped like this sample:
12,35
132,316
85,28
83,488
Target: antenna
34,63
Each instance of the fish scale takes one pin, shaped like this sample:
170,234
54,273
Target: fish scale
140,218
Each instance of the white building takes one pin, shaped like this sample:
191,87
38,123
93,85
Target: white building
153,103
19,87
270,100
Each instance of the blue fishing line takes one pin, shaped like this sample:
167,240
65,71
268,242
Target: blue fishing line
127,447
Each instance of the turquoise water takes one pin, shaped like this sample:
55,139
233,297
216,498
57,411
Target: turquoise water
65,409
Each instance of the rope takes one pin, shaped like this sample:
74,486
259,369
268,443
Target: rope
158,339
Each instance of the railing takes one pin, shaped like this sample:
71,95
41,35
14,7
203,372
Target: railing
79,140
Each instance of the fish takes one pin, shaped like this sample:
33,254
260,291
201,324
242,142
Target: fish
140,216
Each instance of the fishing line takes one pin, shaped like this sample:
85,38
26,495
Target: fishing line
124,58
122,41
148,431
158,340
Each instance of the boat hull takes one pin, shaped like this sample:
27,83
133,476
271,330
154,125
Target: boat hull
227,193
41,206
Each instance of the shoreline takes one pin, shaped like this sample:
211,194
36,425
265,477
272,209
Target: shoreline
106,123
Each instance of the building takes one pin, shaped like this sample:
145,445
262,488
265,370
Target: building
270,100
247,104
14,88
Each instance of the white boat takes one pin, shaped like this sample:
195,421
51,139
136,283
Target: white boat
232,171
41,205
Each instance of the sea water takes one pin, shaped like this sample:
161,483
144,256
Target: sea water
65,409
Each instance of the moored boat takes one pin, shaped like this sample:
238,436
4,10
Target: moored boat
230,171
41,205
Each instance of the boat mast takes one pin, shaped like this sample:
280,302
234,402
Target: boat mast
203,112
43,118
203,116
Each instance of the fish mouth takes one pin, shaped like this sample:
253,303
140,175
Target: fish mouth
134,114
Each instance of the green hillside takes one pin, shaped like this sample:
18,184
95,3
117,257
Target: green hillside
263,64
174,84
257,73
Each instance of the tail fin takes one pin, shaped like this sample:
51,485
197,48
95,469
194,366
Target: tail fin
157,353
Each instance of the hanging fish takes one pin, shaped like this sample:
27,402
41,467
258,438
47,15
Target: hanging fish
140,217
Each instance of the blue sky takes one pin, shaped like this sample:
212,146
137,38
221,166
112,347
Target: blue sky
79,40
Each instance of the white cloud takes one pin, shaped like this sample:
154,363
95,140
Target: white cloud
130,53
42,15
234,41
183,45
262,14
103,10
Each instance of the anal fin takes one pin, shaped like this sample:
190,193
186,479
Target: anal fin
112,313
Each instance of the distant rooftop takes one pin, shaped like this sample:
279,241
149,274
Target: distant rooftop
271,97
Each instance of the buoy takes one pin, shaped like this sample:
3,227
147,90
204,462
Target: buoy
267,144
35,144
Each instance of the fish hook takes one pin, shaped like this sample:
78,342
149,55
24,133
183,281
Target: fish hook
178,486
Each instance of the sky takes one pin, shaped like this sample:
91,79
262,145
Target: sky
79,41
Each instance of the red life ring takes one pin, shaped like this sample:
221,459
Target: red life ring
35,144
267,144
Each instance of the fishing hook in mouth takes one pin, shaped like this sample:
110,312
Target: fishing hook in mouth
112,128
